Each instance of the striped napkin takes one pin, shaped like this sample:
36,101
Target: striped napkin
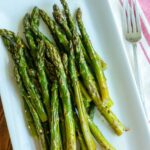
143,46
144,7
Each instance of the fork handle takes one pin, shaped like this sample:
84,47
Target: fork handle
138,76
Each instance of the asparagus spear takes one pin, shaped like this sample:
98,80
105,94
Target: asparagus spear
99,136
91,111
40,35
79,133
50,71
86,97
65,63
70,21
38,56
18,56
49,21
80,106
54,56
35,17
95,62
32,53
85,73
58,36
59,18
55,130
29,35
42,77
37,123
29,120
102,107
28,117
62,126
84,92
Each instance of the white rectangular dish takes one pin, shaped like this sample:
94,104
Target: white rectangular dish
101,27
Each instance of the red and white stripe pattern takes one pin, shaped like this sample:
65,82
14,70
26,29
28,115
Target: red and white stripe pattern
143,46
144,9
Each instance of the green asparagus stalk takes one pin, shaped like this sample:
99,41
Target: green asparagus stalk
38,56
54,56
69,18
84,92
102,107
80,106
50,71
42,77
40,35
95,62
79,133
65,63
18,55
99,136
49,21
62,126
55,129
29,120
46,129
37,124
59,18
27,113
91,111
39,127
35,17
58,36
29,35
86,98
85,73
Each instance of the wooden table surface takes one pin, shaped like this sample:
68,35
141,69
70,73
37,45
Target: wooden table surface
5,143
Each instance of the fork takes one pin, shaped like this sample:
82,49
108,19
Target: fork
132,32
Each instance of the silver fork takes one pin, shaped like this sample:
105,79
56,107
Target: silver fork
132,32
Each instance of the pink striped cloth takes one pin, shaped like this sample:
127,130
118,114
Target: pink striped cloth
143,51
144,6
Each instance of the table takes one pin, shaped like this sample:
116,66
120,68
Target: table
5,143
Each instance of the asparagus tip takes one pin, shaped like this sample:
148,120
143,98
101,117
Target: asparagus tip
55,7
79,13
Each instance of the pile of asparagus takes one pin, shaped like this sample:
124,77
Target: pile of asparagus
61,81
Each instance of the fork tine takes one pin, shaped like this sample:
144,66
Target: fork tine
137,18
129,17
125,16
133,19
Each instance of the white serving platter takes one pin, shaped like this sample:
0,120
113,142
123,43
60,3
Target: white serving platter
100,24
